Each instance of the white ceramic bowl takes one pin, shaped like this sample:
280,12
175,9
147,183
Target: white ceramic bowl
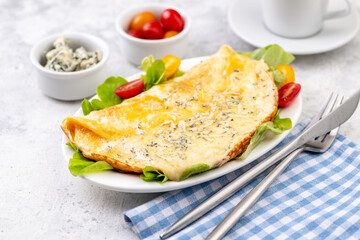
135,49
70,85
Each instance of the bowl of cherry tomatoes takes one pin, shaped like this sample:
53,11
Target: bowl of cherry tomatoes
153,29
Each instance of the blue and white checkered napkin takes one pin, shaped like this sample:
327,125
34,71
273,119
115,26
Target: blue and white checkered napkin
317,197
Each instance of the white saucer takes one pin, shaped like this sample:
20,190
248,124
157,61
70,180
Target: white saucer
245,18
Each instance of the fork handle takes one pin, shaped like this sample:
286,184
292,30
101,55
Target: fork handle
251,198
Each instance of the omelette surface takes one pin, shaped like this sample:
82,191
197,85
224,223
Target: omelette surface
207,116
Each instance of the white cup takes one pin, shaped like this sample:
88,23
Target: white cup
298,18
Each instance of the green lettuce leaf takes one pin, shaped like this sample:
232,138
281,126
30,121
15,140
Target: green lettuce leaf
150,174
86,107
80,165
194,169
98,104
149,60
146,63
279,78
155,74
106,93
273,55
73,146
178,73
248,54
277,126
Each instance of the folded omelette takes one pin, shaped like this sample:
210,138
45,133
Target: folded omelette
207,116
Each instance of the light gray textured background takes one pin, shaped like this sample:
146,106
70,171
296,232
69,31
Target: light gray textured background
39,199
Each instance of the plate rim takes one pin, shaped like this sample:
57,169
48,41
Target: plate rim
153,187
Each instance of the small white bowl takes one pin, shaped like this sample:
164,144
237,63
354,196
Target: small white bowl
135,49
70,85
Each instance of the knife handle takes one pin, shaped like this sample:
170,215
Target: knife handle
251,198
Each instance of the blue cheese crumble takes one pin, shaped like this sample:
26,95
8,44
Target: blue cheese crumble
65,59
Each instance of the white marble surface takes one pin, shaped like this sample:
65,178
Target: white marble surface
39,199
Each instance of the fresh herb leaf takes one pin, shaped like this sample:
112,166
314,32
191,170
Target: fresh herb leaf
279,78
150,174
155,74
106,93
273,55
194,169
80,165
277,126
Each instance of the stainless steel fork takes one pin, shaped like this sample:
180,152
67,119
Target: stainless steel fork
318,145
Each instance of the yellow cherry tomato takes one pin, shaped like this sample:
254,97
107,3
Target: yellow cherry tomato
288,72
169,34
172,64
139,20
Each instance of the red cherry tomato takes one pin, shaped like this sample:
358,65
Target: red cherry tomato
172,20
135,33
152,30
130,89
288,93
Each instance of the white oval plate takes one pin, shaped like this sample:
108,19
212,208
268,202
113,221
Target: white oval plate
126,182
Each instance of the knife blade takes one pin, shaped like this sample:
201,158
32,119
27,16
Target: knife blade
327,123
